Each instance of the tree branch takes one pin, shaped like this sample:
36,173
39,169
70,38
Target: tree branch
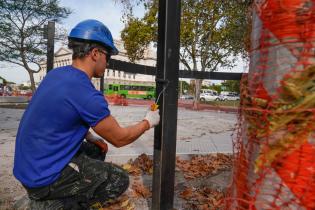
183,60
10,61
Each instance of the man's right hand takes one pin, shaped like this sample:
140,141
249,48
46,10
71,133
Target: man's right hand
109,129
153,118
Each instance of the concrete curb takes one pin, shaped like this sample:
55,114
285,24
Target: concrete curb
21,102
189,106
13,99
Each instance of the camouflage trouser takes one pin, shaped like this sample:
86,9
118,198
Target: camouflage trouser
83,182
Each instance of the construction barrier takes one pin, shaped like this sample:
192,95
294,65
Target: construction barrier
275,145
116,99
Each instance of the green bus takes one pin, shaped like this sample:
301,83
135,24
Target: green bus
131,90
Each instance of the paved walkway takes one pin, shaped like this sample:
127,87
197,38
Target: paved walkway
198,132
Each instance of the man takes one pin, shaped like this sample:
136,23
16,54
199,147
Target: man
58,169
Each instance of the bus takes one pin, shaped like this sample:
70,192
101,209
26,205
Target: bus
139,91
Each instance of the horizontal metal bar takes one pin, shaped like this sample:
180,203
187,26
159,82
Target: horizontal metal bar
151,70
210,75
131,67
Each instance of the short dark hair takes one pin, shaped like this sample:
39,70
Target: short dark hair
81,47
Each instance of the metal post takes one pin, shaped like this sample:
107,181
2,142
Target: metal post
180,88
167,76
102,84
50,45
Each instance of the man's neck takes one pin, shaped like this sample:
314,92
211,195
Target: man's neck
83,66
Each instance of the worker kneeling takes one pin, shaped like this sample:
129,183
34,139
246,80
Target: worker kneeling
57,167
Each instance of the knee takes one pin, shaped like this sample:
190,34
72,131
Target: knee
117,183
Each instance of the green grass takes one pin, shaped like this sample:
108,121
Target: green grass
222,103
14,105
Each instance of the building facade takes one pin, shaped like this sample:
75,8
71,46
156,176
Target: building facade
63,57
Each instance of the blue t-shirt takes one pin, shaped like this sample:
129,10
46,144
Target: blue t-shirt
64,107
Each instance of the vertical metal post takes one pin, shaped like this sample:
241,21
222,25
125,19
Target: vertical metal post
102,84
50,45
167,76
180,88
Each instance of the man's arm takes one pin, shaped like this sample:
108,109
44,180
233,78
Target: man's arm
109,129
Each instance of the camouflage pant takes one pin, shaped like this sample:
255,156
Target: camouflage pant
83,182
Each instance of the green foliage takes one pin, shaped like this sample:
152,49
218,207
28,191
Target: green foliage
139,33
217,88
137,37
21,34
212,87
21,24
2,80
22,87
185,87
211,32
223,103
231,86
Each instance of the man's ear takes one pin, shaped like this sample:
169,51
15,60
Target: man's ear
94,54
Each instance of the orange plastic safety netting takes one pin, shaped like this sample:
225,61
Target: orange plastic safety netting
275,143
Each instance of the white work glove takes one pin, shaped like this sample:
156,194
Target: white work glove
153,117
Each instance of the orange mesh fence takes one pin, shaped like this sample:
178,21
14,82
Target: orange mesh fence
275,144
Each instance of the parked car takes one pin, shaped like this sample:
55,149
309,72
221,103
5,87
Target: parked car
209,91
230,97
209,97
187,97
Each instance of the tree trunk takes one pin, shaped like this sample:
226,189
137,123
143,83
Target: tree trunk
198,83
33,88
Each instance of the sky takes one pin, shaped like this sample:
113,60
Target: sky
107,11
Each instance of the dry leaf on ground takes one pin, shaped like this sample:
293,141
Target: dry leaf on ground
122,203
204,165
141,190
133,170
142,164
202,198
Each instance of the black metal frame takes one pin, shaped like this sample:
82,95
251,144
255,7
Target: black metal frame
50,30
151,70
167,75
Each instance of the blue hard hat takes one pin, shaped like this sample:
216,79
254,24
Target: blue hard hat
93,30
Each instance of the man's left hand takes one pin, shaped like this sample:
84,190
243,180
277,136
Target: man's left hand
98,141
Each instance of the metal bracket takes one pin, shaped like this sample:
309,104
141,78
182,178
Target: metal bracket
163,81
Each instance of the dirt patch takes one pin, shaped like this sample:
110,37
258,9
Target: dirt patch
195,191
